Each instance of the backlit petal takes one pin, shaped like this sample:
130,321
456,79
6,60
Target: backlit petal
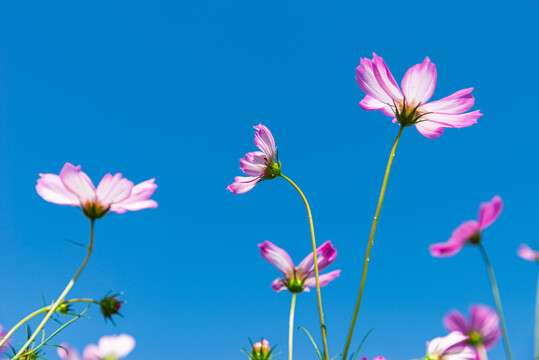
78,183
138,199
242,184
525,252
456,103
419,82
51,188
113,189
277,257
265,142
489,212
385,79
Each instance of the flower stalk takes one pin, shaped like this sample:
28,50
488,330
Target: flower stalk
62,296
291,326
497,299
369,245
315,258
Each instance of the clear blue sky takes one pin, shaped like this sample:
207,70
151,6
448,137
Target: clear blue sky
172,89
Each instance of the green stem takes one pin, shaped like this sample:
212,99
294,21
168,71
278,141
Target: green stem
37,312
497,300
315,259
369,245
482,352
536,333
61,297
291,326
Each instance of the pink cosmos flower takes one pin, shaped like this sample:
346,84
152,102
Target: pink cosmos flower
483,328
112,347
300,278
3,334
450,347
526,253
259,165
469,231
73,187
376,358
410,106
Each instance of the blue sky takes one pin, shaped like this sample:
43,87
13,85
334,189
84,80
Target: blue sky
171,90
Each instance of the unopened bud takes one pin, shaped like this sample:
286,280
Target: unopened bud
110,305
261,350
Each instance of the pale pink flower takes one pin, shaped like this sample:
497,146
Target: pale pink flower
114,193
483,327
525,252
112,347
450,347
300,278
3,334
469,231
410,106
259,165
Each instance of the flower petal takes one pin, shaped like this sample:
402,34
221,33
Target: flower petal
385,79
242,184
278,285
525,252
458,239
367,82
265,142
429,129
455,103
91,352
113,189
325,253
439,345
489,212
446,249
486,321
455,321
277,257
254,163
66,352
138,199
118,346
324,279
419,82
454,121
51,188
78,183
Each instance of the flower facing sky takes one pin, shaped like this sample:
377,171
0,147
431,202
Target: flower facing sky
259,165
410,106
482,329
469,231
114,193
525,252
112,347
300,278
450,347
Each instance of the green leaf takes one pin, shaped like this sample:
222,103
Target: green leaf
312,341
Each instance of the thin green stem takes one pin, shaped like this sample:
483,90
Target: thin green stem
37,312
61,297
536,333
315,259
369,245
497,300
291,326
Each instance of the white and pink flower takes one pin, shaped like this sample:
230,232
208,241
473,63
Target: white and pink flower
111,347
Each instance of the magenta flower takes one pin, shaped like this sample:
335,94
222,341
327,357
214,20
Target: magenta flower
300,278
483,328
411,106
376,358
469,231
526,253
450,347
112,347
259,165
114,193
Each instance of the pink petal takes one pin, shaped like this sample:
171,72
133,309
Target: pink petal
66,352
460,352
243,184
326,254
486,321
91,352
439,345
489,212
446,249
454,121
385,79
456,103
277,257
465,230
324,279
118,346
419,82
525,252
455,321
265,142
278,285
112,189
367,82
139,198
429,129
254,163
369,103
51,188
78,183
